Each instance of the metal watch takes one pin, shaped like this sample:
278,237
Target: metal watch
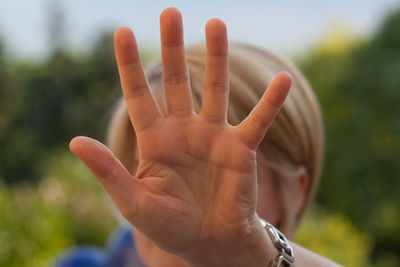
285,257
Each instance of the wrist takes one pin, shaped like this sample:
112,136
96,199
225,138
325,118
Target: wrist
256,250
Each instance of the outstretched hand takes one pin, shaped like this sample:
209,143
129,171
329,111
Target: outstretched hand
195,189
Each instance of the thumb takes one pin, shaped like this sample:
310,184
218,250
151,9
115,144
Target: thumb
116,180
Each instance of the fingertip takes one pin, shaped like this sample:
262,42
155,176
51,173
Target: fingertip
171,17
287,74
216,37
126,50
278,90
215,25
123,36
123,30
170,13
285,77
171,26
78,143
74,144
93,153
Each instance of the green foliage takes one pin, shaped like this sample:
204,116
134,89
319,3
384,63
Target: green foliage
50,102
44,104
67,207
359,93
335,237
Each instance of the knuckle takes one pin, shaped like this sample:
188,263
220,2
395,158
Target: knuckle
135,92
176,77
216,87
181,112
211,117
276,104
259,120
109,172
172,43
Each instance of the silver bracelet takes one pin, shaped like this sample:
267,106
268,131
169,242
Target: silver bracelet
286,255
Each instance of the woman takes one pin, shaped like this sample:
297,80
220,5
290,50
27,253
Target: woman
188,181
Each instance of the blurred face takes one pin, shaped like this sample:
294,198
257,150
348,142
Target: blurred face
268,208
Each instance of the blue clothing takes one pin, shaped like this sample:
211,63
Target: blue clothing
120,252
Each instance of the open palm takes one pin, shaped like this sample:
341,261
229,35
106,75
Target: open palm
195,187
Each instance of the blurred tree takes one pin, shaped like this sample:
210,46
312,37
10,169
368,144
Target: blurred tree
8,110
52,101
3,82
359,93
329,232
56,26
67,207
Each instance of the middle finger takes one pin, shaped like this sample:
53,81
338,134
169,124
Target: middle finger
175,71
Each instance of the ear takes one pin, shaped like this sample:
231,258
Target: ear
302,188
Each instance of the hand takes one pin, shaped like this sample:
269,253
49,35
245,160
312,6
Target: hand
194,193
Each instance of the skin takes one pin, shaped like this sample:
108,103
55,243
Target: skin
195,192
152,255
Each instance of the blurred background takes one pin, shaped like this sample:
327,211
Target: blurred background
58,79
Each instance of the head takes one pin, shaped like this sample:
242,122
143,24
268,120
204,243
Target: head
289,158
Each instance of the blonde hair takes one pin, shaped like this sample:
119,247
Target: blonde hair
295,138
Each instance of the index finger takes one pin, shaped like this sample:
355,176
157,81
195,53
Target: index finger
141,107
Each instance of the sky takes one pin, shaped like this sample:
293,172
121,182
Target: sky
280,26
